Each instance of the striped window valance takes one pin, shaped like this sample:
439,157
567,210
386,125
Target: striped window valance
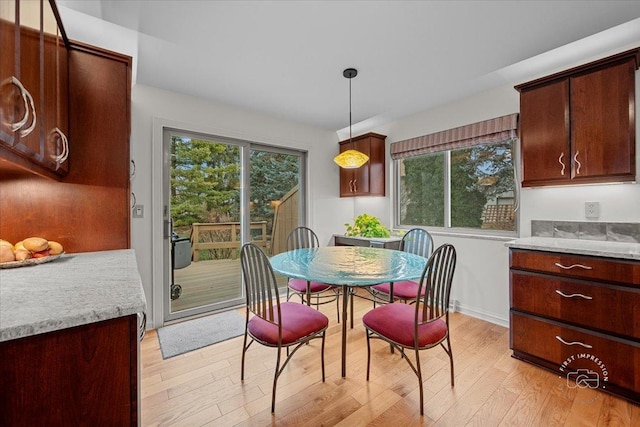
486,132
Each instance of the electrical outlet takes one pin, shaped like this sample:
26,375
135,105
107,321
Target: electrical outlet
591,210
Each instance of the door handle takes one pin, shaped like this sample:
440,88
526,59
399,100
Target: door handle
168,228
575,159
562,163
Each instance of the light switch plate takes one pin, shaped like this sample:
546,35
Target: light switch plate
138,211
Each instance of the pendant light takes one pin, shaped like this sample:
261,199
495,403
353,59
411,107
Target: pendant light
350,159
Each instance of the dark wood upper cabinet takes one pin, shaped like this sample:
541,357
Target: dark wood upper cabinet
87,97
33,88
369,179
578,126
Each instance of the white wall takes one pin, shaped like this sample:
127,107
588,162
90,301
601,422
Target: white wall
327,212
481,283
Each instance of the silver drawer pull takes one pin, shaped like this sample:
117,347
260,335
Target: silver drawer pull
562,294
573,342
586,267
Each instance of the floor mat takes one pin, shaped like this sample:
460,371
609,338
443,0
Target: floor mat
194,334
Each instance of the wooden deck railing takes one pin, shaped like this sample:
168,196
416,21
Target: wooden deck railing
232,229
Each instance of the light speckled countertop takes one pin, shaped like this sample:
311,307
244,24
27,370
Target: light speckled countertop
73,290
578,246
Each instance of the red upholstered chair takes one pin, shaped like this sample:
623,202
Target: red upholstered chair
416,241
322,293
419,327
275,324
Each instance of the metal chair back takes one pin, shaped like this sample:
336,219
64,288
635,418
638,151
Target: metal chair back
260,284
302,237
417,241
436,280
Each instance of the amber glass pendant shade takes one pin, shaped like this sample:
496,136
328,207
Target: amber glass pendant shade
351,159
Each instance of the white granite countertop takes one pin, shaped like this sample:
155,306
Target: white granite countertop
577,246
73,290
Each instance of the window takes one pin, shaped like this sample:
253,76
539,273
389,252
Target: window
468,184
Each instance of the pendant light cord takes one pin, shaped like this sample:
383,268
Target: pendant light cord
350,140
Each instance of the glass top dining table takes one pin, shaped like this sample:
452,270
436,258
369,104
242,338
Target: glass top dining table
348,267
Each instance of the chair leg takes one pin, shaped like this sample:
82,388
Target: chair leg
244,350
419,373
450,359
368,353
338,305
322,354
275,381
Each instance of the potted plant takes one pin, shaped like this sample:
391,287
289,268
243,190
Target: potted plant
366,225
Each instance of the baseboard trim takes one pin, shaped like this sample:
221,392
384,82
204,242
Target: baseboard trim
482,315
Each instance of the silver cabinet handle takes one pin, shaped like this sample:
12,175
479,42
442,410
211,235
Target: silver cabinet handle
573,342
28,102
562,163
562,294
133,170
575,159
585,267
60,158
355,187
350,186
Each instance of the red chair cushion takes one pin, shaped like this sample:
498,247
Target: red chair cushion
298,321
300,285
396,322
406,289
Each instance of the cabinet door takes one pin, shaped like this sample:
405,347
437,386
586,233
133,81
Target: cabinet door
602,128
369,179
81,376
54,106
28,139
8,91
346,176
544,134
377,165
361,176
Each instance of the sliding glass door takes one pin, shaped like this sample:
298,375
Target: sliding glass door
219,194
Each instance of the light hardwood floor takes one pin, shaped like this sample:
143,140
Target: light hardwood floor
203,387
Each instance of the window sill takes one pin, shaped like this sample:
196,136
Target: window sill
502,236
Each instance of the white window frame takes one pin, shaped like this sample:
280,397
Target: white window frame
447,229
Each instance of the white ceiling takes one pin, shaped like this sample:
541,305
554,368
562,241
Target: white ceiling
285,58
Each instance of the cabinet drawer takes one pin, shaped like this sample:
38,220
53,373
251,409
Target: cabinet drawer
619,359
608,308
587,267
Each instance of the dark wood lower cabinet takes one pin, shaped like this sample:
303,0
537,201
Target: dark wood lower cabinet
569,350
578,316
368,242
81,376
